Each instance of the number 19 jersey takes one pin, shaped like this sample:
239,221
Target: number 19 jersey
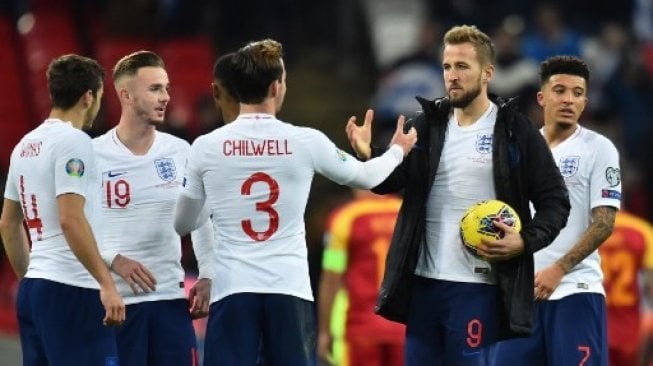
53,159
255,174
138,196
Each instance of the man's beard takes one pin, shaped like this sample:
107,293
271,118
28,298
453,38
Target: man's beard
465,99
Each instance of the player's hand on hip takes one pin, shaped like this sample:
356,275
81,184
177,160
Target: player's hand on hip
509,246
547,280
199,297
360,137
134,273
114,307
405,140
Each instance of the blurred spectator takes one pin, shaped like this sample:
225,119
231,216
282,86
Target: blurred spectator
603,53
551,35
643,20
416,74
481,13
514,74
176,123
629,94
155,18
245,20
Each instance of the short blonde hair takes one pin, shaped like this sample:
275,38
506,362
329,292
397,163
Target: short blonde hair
481,41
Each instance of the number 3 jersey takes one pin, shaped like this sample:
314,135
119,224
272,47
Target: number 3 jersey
255,174
138,196
53,159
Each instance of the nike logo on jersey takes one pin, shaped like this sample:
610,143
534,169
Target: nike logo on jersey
115,174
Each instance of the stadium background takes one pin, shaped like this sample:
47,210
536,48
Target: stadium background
342,57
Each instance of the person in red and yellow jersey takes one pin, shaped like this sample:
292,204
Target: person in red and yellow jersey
626,254
356,243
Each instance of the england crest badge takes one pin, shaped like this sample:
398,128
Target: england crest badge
166,169
569,165
484,143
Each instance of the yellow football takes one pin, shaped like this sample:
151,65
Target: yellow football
478,222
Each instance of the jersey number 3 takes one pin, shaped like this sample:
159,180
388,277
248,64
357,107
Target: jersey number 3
264,206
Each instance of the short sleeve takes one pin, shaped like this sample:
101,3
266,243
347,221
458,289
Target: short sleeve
606,176
192,185
11,191
73,163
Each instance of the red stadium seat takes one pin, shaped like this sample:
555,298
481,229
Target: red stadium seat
16,119
46,32
107,52
189,62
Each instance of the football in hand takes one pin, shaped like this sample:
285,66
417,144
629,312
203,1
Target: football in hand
478,222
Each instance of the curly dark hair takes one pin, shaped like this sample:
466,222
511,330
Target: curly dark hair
568,65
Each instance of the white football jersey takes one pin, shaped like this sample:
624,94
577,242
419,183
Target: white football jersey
589,164
464,177
255,174
53,159
138,196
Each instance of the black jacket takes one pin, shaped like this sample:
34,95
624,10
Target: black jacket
523,170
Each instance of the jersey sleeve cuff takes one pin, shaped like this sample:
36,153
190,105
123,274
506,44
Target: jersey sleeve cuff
397,152
108,257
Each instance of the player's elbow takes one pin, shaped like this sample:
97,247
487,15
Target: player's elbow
4,226
68,223
181,227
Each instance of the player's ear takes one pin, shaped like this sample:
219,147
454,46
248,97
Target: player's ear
123,94
273,91
216,90
488,72
87,98
540,98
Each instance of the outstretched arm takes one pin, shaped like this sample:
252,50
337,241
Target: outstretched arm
374,171
360,137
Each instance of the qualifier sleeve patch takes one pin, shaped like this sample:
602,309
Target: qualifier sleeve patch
75,168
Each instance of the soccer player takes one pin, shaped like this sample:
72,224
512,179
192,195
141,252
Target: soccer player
471,148
227,105
142,172
51,188
254,175
357,239
627,257
570,315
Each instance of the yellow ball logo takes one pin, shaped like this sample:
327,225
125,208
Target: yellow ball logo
478,222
